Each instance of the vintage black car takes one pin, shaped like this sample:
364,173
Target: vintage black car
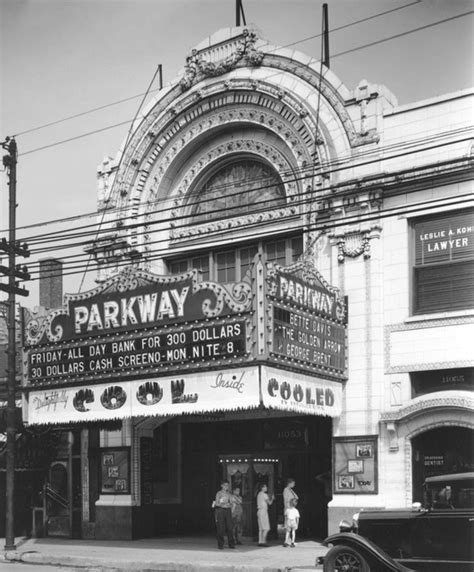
434,537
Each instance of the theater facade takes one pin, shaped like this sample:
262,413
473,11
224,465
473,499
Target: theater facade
283,270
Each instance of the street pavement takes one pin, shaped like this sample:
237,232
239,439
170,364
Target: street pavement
177,554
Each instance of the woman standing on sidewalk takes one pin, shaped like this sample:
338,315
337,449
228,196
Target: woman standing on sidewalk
263,502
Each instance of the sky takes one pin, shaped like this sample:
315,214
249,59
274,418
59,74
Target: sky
63,58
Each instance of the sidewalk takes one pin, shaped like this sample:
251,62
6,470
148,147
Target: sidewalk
178,554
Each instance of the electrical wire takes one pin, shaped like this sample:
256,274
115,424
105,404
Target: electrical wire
459,201
328,166
370,44
402,34
259,230
265,207
129,134
180,226
120,101
61,236
344,26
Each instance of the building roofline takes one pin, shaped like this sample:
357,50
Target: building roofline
416,105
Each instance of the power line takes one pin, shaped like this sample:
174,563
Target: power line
82,113
326,166
343,27
459,201
124,100
363,46
158,70
60,236
301,202
402,34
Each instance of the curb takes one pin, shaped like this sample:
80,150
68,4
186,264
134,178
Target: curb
96,565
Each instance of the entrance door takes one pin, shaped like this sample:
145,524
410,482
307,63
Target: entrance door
57,492
247,473
62,493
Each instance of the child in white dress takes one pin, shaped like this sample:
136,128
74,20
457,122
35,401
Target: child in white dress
292,519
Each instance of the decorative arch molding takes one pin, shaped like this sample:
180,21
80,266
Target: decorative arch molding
288,151
164,115
447,408
449,419
425,413
439,401
282,122
268,153
276,92
162,130
328,91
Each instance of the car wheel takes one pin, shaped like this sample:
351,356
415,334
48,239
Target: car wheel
344,559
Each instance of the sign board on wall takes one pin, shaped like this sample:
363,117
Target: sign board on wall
290,391
423,382
219,390
355,465
444,238
142,344
137,324
306,318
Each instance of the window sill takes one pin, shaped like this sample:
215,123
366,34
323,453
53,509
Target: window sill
439,316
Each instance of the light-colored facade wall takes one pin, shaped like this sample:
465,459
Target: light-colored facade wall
394,163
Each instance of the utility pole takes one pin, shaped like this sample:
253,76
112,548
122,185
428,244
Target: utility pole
12,248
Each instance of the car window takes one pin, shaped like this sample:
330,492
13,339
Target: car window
451,495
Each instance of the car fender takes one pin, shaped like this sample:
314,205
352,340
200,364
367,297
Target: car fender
370,551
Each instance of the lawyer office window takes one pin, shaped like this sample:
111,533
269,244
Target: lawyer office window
443,272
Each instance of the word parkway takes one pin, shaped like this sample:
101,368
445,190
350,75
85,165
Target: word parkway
130,311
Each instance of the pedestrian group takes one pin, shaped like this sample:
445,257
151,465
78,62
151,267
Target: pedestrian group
228,507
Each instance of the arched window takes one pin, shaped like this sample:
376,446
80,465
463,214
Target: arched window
236,189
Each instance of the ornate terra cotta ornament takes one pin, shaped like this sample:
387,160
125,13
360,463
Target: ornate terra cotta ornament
354,243
197,68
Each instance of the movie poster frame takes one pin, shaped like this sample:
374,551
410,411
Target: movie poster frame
123,453
359,455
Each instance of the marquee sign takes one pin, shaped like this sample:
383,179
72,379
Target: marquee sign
220,390
138,324
289,391
142,344
307,320
132,355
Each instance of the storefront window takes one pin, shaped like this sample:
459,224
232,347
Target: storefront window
444,262
439,452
